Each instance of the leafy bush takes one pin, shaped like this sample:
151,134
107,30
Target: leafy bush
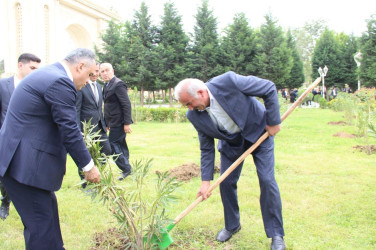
322,101
161,114
140,213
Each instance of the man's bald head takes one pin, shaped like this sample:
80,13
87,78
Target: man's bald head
107,72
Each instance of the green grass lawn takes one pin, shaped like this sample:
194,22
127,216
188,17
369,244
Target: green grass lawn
328,190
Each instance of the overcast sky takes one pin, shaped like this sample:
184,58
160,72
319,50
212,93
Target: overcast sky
340,15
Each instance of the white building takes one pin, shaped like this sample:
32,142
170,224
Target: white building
49,28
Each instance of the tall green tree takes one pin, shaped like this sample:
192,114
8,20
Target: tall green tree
112,49
273,58
327,52
296,78
238,46
171,49
348,47
368,50
205,53
142,56
306,38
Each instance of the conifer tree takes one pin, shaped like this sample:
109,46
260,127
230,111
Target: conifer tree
238,46
273,58
172,45
142,56
112,50
203,60
368,49
296,75
348,48
327,53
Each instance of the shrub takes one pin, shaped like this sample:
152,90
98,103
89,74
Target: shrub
140,213
161,114
322,101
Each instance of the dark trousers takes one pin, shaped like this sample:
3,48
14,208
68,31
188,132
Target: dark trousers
270,199
4,196
39,214
105,148
119,146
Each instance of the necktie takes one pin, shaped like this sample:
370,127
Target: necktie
95,91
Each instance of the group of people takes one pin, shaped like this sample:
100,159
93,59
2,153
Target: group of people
293,94
41,120
45,115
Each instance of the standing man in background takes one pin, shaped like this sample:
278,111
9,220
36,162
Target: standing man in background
214,112
39,130
26,64
117,115
89,107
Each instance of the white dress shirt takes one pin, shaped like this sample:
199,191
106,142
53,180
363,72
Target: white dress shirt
220,117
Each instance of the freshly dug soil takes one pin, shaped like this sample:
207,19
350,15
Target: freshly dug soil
344,135
339,123
185,172
111,239
371,149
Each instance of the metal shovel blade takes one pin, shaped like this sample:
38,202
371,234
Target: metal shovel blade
163,240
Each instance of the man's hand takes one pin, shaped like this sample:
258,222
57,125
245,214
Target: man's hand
203,189
93,175
273,130
127,128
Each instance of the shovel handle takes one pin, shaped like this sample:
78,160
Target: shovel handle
246,153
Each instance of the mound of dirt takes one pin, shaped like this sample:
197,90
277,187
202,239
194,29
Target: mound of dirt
339,123
110,239
185,172
344,135
371,149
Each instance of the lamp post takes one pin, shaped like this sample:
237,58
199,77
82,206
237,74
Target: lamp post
322,73
358,58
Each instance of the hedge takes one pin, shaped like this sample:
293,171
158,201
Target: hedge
160,114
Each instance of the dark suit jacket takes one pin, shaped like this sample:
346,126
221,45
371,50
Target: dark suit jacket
40,128
6,91
235,93
117,106
88,108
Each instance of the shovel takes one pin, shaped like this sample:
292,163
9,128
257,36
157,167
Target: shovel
163,240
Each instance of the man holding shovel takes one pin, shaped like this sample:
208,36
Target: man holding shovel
226,108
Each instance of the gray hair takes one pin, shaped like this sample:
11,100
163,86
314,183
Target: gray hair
80,54
190,85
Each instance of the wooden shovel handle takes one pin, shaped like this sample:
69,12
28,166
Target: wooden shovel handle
246,153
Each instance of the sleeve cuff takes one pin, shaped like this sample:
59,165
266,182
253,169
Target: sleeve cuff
89,166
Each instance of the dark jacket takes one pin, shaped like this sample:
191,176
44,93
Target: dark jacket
88,108
40,129
6,90
117,106
236,95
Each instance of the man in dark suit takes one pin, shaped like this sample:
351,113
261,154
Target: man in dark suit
225,108
89,108
26,64
117,115
39,130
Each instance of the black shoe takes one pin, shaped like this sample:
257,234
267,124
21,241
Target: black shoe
124,175
4,210
225,235
277,243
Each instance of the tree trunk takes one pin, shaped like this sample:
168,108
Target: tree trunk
142,96
170,96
